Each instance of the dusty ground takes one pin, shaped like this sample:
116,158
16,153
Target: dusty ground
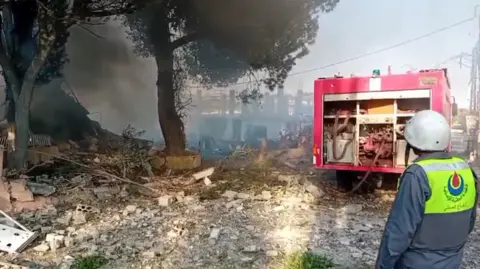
240,228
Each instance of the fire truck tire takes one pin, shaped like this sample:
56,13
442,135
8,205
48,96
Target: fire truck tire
345,180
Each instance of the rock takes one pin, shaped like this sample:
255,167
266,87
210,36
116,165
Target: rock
5,204
158,162
272,253
251,248
189,199
129,210
39,203
352,208
165,201
244,196
65,220
42,248
266,195
41,189
207,181
231,204
55,241
215,233
20,192
68,262
79,217
105,192
315,191
230,194
148,254
290,179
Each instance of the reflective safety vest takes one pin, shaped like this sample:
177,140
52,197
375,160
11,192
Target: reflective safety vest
452,185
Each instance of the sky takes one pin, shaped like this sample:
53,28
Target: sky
356,28
118,88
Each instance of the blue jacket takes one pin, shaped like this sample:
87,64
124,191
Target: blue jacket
401,248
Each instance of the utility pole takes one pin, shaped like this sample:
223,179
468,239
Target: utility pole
475,84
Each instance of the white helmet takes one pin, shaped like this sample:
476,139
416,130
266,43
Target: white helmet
428,130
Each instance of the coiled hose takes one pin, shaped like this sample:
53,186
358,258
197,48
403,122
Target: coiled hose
336,130
380,151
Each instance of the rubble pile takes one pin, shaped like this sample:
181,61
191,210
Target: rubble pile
238,230
113,204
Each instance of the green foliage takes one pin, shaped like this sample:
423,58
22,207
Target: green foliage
307,260
91,262
220,41
57,58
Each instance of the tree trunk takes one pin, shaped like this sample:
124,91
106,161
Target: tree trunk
170,121
46,38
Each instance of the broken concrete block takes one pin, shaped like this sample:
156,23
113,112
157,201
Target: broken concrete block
266,195
203,174
215,233
165,200
5,204
41,189
55,241
20,192
42,248
230,194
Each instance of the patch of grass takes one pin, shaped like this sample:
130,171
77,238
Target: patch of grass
307,260
91,262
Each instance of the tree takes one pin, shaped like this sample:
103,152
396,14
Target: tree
219,41
32,49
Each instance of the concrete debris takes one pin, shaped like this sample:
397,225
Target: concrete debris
20,192
5,265
248,233
290,179
105,192
41,189
43,247
352,208
68,262
165,201
266,195
5,204
230,194
315,191
129,210
215,233
55,241
204,174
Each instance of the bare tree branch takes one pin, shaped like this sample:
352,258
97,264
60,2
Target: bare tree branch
184,40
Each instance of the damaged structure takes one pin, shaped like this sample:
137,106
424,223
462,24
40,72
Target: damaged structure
220,119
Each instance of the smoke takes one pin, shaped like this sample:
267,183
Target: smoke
116,86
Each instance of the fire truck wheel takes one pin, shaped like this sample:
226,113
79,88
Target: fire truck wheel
345,180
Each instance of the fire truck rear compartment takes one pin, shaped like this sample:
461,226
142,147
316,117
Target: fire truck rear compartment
368,132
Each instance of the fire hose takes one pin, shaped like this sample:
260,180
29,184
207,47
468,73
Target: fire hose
336,130
379,153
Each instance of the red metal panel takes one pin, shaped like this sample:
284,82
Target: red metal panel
440,100
361,168
389,83
318,122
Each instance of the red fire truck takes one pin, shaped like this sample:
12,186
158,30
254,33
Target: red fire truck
359,120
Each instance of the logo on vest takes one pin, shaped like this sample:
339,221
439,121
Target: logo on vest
456,188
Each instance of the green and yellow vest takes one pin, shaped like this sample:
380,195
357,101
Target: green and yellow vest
452,185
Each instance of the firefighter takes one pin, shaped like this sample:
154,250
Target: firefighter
435,207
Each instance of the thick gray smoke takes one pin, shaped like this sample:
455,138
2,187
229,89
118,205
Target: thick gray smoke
117,87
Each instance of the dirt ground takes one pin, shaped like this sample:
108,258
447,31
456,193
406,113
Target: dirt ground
238,221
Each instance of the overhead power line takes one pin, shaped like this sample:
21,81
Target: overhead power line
403,43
